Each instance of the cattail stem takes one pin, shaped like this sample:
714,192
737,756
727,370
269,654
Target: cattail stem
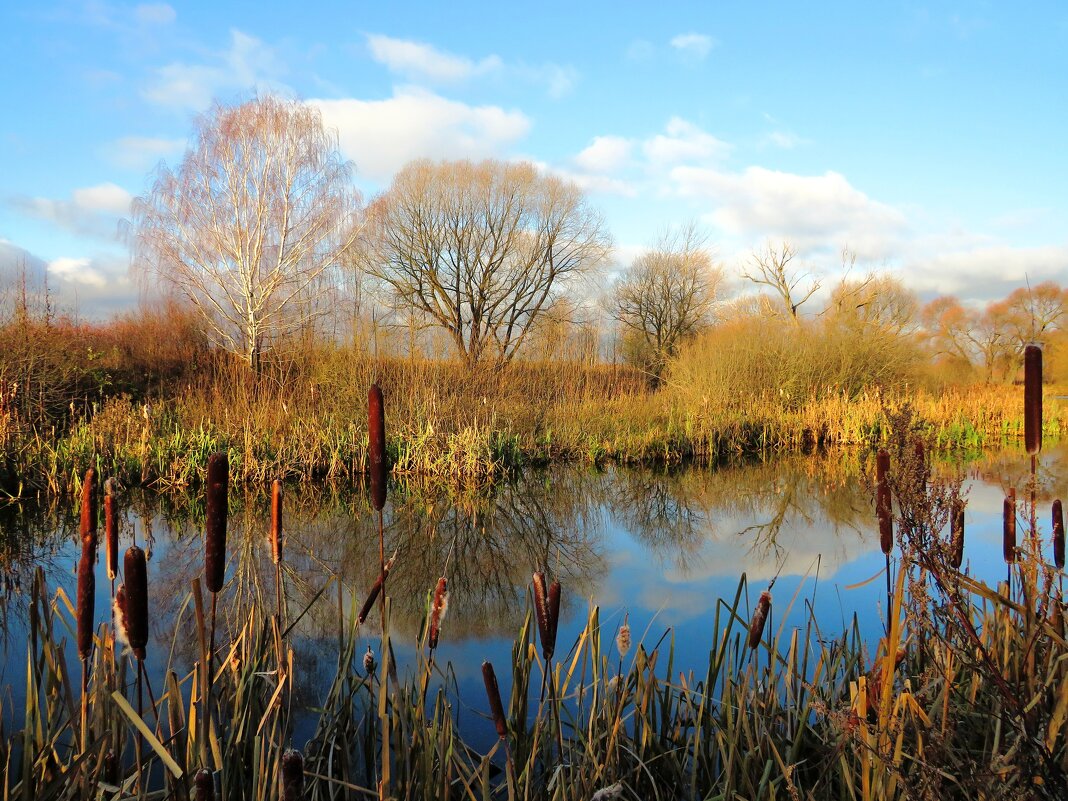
276,541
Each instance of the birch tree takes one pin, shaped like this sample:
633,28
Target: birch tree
252,223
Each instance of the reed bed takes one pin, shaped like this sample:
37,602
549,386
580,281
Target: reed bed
474,438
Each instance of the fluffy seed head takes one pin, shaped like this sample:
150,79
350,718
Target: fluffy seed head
369,662
218,486
440,606
623,639
118,611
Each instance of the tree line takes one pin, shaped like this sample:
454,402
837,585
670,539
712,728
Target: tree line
260,230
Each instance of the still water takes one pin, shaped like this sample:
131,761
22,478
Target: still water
658,548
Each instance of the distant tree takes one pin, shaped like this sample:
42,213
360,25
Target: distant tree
1033,313
773,267
875,302
666,295
251,223
483,249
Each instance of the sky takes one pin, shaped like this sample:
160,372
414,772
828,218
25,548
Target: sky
928,139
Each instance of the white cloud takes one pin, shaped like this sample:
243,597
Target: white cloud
423,63
983,271
785,140
682,141
76,271
380,136
248,64
91,211
697,45
141,152
814,210
419,60
154,14
605,154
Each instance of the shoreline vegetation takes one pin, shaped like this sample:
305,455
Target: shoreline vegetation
305,422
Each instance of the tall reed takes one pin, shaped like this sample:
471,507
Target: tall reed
216,514
276,542
1008,527
1058,534
956,534
111,532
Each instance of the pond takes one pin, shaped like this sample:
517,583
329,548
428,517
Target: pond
655,548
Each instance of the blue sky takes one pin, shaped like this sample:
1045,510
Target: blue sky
928,139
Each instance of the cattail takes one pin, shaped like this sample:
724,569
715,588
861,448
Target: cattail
292,775
883,508
216,513
376,445
1033,398
1009,527
760,616
1058,535
554,615
88,519
493,693
135,580
438,610
375,589
86,602
956,534
111,533
541,608
276,521
205,785
369,662
623,639
118,610
110,768
921,469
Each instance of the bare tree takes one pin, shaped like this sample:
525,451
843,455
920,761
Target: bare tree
251,223
771,267
483,249
666,295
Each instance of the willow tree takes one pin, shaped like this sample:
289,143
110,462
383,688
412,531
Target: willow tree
251,223
482,250
667,294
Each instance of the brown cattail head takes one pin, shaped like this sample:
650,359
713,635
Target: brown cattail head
760,616
89,511
956,534
1033,398
292,776
376,445
1058,535
1009,527
375,589
437,612
216,513
276,521
110,768
883,508
493,693
205,785
554,618
921,470
86,602
135,581
111,535
119,607
541,607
